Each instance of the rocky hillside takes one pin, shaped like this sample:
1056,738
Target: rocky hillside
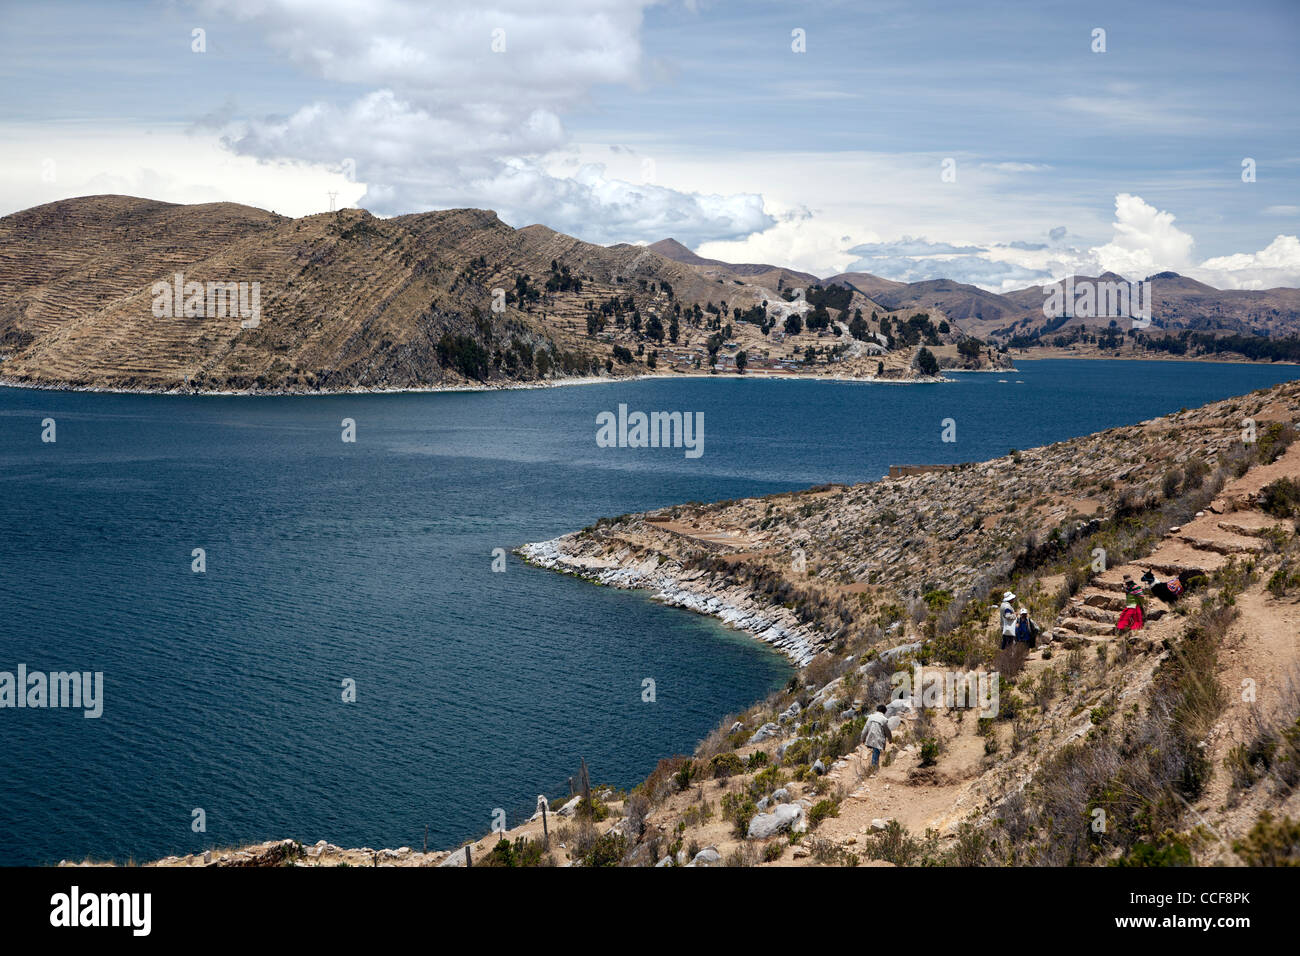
344,300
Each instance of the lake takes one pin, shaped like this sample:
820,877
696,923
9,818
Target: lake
371,561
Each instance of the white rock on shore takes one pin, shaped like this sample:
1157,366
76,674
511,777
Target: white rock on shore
672,586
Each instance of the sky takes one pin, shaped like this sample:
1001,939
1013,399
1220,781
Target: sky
1003,144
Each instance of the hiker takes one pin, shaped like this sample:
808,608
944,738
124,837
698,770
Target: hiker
1008,616
877,734
1026,629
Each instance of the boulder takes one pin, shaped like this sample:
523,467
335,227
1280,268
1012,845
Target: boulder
766,732
782,747
709,856
899,705
783,818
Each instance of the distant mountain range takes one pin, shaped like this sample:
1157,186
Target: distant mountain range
1177,301
122,292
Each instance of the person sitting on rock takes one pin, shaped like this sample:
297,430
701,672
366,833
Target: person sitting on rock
1007,614
877,734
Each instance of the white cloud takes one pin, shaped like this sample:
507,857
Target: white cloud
1278,264
466,110
1146,240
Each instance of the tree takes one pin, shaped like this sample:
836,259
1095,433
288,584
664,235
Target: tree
742,360
926,362
793,325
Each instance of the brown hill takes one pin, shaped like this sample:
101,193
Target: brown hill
76,256
345,300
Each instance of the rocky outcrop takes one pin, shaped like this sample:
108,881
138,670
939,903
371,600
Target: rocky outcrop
678,587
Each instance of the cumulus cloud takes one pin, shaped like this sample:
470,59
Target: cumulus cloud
1145,241
1278,264
464,106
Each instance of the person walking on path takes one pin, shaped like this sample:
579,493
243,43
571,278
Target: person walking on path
877,734
1007,615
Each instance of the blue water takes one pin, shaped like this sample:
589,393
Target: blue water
372,561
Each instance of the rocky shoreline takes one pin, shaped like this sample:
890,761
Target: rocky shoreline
488,387
675,586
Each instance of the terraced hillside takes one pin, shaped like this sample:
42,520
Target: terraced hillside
346,300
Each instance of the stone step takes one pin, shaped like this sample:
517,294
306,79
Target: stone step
1227,544
1249,524
1105,600
1101,608
1083,626
1063,634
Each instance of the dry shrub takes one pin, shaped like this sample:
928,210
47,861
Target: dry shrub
662,782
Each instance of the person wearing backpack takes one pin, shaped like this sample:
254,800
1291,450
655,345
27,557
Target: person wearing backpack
877,734
1026,629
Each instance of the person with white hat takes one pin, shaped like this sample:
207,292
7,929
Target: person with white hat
1007,613
1026,629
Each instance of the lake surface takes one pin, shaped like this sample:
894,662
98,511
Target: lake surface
372,561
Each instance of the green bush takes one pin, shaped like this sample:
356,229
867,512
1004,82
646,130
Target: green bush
726,765
930,748
893,844
821,810
739,809
522,852
607,850
1271,843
